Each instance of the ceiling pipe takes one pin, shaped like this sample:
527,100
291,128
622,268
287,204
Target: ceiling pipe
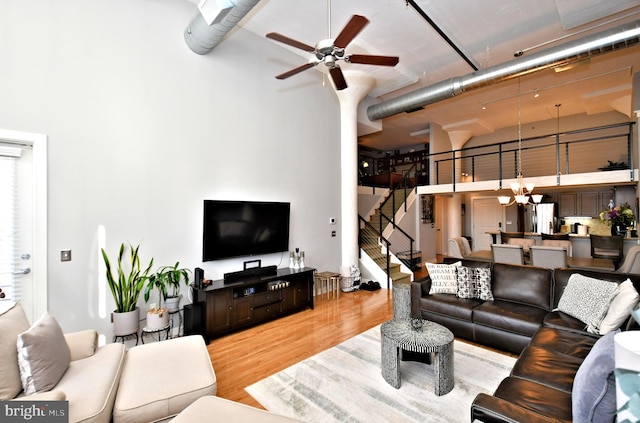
202,38
603,42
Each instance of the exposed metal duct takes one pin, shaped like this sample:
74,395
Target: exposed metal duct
202,38
603,42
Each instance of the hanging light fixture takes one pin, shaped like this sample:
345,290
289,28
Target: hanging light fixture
521,191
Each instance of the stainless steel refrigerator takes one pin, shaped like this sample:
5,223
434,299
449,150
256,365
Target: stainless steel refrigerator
541,218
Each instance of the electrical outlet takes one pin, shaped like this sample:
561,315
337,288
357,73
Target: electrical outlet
333,233
65,255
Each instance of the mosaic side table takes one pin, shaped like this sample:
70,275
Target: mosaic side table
398,335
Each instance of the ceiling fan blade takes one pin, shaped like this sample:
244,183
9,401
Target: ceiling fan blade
367,59
296,70
338,78
349,32
290,41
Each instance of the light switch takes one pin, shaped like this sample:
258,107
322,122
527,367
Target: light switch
65,255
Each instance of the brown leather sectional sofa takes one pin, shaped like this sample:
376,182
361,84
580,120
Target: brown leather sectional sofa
551,345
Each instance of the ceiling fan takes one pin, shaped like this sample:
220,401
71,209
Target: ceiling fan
330,51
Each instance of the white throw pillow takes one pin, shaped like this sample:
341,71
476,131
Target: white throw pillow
587,299
443,278
626,299
43,355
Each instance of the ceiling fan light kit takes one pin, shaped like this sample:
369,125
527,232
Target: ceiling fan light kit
330,51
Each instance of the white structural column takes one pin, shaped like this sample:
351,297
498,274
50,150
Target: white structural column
635,107
359,85
454,205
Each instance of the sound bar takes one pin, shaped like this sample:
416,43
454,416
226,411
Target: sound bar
254,271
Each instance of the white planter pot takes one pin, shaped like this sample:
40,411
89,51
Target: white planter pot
173,303
157,320
126,323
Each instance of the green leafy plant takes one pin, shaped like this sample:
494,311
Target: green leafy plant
127,285
167,281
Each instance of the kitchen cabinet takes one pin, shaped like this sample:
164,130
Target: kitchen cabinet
591,203
567,204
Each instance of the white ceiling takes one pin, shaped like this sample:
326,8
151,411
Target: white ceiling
488,33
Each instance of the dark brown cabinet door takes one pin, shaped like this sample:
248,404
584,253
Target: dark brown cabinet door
218,311
242,310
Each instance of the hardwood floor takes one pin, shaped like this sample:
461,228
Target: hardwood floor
245,357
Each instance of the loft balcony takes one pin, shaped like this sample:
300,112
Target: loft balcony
591,156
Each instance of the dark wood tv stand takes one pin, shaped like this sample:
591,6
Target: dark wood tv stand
245,302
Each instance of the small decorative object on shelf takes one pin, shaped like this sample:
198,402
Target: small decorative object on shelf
614,166
296,259
417,324
296,262
618,217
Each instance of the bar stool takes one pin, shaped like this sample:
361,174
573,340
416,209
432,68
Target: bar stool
605,246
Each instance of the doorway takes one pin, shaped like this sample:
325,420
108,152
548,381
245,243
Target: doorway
486,217
28,253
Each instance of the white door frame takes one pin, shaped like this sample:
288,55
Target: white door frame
38,142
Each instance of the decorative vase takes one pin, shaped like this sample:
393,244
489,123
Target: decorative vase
157,319
618,228
125,323
173,303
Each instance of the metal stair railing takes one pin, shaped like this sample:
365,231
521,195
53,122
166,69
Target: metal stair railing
369,236
406,242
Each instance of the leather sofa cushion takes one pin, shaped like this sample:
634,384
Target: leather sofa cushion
549,368
511,317
564,342
537,398
449,305
562,321
523,284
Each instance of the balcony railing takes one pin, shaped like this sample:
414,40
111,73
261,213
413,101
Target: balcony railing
607,147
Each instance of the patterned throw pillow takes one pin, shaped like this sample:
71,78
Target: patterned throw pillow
474,282
587,299
443,277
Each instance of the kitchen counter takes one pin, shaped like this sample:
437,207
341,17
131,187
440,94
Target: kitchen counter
581,244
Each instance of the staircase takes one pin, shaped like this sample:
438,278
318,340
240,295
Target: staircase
376,246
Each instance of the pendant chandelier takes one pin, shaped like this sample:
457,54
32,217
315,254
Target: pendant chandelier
521,191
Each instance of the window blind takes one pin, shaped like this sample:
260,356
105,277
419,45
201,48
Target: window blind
9,235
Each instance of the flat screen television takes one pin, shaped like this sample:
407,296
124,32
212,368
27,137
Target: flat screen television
244,228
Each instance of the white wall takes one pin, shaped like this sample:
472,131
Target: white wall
142,130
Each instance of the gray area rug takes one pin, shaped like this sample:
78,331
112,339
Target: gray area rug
344,384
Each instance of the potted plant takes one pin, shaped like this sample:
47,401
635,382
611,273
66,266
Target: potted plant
126,287
167,280
157,316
